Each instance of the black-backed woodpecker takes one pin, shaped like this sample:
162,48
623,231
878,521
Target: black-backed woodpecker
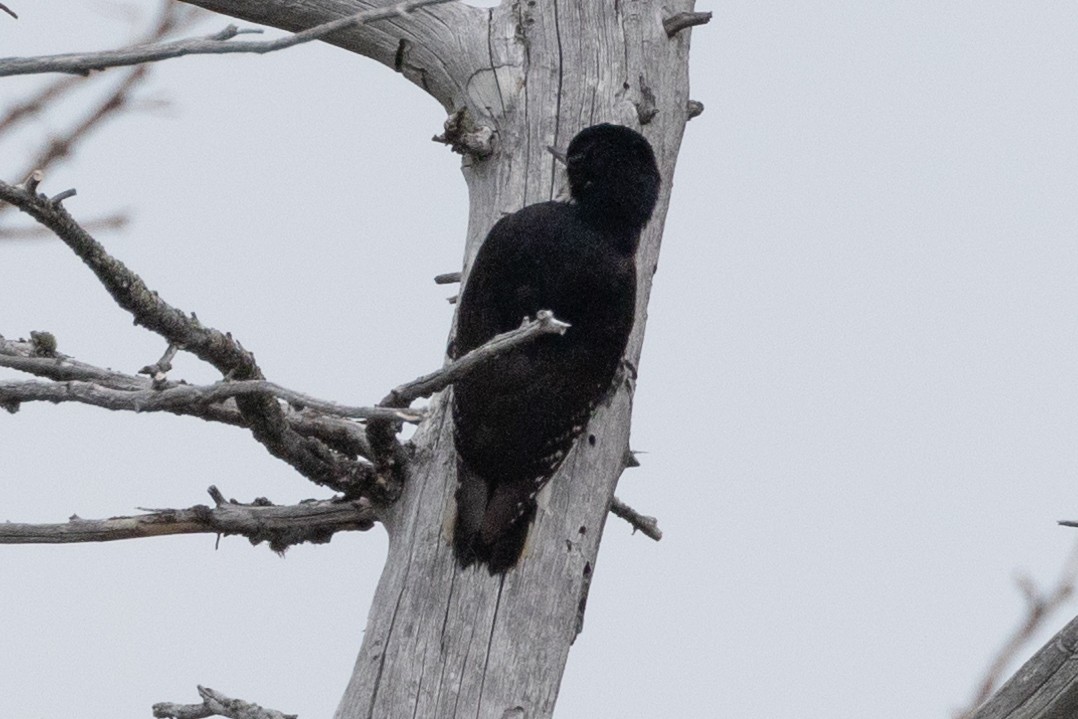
517,417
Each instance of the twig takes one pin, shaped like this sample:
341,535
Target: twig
281,526
1039,606
648,526
8,10
158,371
216,44
220,391
544,324
449,278
214,703
59,197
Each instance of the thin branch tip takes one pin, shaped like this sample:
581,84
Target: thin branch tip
59,197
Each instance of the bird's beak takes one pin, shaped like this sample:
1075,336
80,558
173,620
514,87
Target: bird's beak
559,155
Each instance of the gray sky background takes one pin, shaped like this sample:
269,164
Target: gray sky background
857,396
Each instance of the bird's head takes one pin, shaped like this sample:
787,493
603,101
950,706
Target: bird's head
612,175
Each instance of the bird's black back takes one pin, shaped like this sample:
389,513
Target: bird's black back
517,417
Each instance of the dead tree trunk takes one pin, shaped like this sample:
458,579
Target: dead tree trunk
441,642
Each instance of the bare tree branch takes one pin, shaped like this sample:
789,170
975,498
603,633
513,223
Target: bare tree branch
87,384
544,324
311,457
648,526
215,703
216,44
340,433
314,521
183,399
79,382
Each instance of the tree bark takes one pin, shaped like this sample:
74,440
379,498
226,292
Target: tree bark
441,642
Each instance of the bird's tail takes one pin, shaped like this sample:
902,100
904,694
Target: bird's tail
492,522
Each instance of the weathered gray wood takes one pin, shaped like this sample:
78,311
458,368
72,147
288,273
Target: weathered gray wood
1046,687
440,642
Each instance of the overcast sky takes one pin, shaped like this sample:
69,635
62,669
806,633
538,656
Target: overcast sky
857,398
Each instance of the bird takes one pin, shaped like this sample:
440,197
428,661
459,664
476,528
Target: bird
517,416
